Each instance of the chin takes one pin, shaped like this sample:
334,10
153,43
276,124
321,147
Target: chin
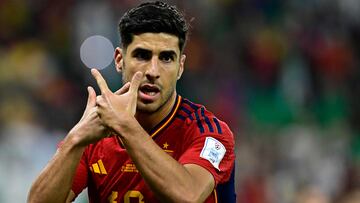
147,108
152,107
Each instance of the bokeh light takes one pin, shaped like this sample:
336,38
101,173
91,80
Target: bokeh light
97,52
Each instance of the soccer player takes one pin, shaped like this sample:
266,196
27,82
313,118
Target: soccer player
143,143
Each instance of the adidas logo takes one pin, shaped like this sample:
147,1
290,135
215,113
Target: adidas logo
98,168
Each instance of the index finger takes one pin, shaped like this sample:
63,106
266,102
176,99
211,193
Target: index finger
100,81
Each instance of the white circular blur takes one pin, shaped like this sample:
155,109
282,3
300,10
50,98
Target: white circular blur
97,52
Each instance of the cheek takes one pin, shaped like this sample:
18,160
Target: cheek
128,76
171,79
130,68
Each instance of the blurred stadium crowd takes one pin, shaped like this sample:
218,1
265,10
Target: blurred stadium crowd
284,74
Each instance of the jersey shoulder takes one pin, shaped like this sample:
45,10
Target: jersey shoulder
204,121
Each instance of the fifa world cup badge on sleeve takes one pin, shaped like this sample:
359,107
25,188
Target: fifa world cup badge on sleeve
213,151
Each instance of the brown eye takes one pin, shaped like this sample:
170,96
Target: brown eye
166,57
142,55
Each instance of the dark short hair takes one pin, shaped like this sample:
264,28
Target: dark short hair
153,17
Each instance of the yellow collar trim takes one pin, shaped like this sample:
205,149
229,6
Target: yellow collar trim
170,118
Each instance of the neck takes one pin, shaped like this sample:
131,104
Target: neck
148,120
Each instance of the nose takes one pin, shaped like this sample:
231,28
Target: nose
152,72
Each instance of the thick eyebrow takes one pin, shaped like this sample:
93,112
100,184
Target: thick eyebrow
140,50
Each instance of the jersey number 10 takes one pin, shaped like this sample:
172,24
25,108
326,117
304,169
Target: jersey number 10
129,194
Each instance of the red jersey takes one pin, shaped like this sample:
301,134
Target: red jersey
190,134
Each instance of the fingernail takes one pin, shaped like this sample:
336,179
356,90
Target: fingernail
138,75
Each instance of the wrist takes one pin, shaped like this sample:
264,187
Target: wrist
125,127
73,141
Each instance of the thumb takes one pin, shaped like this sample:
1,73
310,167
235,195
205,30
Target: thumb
91,102
135,82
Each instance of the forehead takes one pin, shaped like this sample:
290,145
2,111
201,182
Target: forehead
155,42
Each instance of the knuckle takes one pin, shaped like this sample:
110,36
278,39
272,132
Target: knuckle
99,99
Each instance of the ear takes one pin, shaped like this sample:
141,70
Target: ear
118,57
181,68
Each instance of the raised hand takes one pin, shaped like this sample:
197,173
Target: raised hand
113,108
90,128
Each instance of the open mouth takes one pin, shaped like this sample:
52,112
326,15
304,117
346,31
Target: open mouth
149,92
149,89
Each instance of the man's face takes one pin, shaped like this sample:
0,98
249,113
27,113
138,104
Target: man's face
157,56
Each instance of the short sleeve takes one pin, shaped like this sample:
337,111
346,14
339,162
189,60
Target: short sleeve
212,151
